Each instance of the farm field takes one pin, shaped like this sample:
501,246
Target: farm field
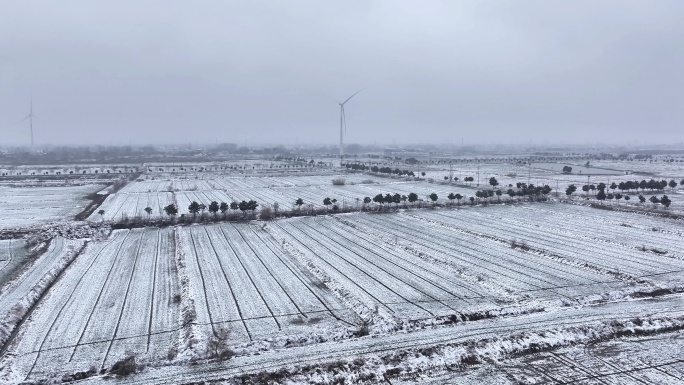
242,282
123,295
14,291
378,274
13,255
550,173
607,244
156,194
646,360
372,351
316,289
27,206
474,244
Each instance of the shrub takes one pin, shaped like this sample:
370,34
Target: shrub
124,366
217,346
266,213
338,181
363,330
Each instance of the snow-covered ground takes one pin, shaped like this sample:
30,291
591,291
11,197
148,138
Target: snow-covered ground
434,351
132,200
28,206
13,256
402,296
164,295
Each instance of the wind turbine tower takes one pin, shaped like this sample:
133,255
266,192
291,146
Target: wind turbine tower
343,125
30,118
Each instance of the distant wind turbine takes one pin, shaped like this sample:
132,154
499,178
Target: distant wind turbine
30,118
343,124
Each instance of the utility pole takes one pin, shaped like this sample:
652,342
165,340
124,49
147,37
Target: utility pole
588,176
529,172
451,172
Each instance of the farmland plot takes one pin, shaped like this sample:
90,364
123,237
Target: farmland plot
563,232
490,261
118,296
23,207
136,196
652,360
13,255
14,291
122,205
243,283
380,275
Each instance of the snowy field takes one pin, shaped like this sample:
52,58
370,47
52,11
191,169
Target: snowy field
524,293
165,294
435,355
12,256
125,295
136,196
27,206
551,173
107,301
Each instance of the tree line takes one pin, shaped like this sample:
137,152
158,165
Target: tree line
376,169
602,195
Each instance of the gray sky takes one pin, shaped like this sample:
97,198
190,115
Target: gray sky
269,71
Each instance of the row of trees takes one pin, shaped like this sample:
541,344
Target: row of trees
633,185
602,195
530,191
376,169
386,199
214,208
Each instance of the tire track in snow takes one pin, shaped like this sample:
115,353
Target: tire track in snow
565,361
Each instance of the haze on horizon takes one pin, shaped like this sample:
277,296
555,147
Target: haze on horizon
260,71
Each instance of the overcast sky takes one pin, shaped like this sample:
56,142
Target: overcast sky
161,71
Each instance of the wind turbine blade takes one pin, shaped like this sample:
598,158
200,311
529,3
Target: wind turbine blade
27,116
352,95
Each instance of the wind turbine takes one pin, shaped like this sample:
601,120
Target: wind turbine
30,117
343,124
